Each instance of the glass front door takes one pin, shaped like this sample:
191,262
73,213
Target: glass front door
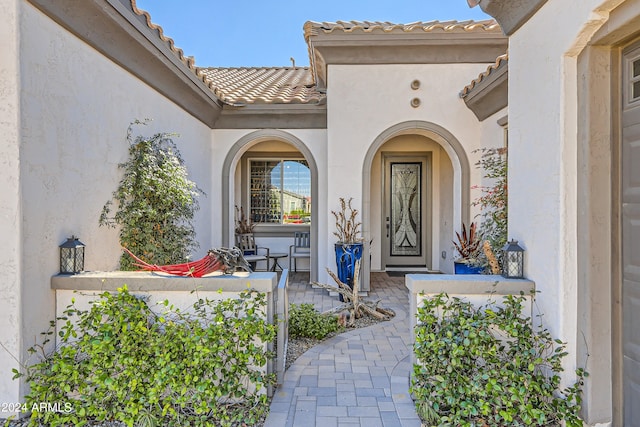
404,219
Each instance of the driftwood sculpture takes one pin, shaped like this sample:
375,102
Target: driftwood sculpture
220,259
493,262
356,306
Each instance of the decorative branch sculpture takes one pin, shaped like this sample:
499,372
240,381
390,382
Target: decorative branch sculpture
356,306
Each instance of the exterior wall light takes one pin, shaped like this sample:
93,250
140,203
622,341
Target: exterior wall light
513,260
72,256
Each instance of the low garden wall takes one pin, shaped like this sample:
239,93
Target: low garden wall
182,292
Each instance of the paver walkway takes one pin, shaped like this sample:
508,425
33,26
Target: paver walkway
358,378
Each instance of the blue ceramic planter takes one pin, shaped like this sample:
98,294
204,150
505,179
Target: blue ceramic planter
462,268
346,257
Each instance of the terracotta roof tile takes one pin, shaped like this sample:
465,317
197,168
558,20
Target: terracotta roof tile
313,28
502,59
255,85
295,85
188,61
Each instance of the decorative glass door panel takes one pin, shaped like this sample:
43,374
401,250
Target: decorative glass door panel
406,210
406,216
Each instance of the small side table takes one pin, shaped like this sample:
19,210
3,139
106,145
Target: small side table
275,256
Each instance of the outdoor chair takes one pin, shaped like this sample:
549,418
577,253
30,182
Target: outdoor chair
251,252
301,248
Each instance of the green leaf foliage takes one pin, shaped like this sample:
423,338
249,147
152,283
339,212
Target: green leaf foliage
118,361
487,366
156,202
305,321
493,199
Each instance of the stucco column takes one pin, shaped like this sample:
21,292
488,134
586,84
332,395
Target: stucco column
10,212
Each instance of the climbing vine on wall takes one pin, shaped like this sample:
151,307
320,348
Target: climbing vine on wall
493,199
154,203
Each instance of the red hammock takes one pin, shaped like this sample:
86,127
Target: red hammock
206,265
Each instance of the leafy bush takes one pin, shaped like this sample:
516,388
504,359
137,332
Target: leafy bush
156,203
493,201
122,362
306,321
487,367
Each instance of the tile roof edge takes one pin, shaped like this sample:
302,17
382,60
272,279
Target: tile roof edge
257,67
500,60
313,28
188,61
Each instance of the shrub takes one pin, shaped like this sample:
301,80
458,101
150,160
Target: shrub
119,361
156,203
487,367
306,321
493,200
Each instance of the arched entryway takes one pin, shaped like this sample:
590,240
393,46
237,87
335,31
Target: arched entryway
430,151
266,146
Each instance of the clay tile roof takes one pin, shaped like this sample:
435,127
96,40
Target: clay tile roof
500,61
188,61
313,28
254,85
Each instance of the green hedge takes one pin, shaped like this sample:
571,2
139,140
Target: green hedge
487,366
120,361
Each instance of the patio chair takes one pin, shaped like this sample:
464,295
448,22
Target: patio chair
301,248
247,244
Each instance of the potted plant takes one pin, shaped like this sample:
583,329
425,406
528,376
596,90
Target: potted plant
349,246
244,226
470,260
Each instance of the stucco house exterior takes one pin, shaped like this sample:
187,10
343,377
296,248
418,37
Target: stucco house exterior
382,107
378,99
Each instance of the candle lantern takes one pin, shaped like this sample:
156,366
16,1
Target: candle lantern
513,260
71,256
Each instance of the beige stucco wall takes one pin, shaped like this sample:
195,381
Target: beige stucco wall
377,97
10,207
75,107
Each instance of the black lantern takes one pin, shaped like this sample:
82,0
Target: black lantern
71,256
513,260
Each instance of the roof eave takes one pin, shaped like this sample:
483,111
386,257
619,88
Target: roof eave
360,48
490,94
509,13
114,29
274,116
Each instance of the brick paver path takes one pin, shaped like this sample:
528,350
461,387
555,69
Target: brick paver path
358,378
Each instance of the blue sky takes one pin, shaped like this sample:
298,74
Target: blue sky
267,33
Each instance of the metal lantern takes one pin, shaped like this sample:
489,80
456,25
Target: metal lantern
71,256
513,260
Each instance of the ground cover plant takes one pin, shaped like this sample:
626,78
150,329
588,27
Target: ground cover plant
119,361
487,366
306,322
155,202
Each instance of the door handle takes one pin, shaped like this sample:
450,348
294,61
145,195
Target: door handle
387,227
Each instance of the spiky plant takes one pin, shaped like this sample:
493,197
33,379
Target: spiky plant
468,245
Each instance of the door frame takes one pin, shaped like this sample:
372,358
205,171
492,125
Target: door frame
625,56
388,157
